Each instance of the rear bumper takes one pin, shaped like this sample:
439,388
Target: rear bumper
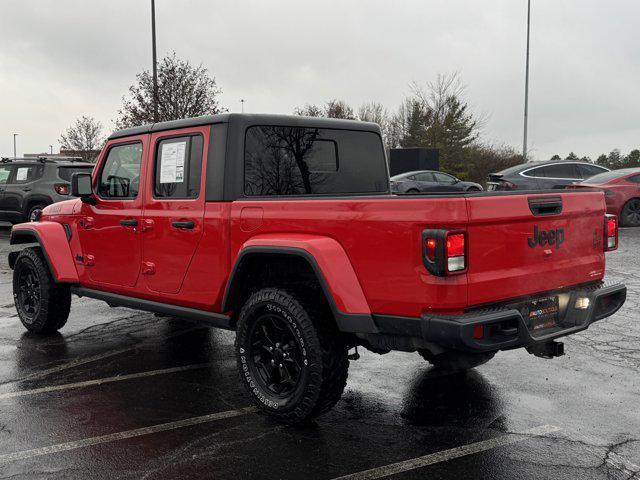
504,327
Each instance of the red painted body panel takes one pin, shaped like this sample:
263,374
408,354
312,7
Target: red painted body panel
167,248
381,237
54,242
503,266
332,260
114,250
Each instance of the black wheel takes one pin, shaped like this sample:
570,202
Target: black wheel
42,304
35,212
291,358
473,189
630,215
455,361
413,191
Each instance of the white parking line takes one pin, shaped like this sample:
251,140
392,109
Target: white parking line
138,432
101,381
450,454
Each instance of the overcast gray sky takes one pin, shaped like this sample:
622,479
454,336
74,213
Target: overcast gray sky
65,58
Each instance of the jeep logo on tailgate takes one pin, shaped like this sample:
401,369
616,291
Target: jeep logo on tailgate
546,237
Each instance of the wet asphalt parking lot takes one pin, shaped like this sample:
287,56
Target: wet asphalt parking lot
125,394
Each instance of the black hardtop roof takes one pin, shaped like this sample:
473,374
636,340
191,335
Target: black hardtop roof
244,120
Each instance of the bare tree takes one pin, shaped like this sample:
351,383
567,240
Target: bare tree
438,116
184,91
376,112
309,110
339,109
84,136
332,109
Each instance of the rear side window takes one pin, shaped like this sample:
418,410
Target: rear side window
561,170
443,177
120,176
178,167
27,173
281,160
590,170
423,177
65,172
4,174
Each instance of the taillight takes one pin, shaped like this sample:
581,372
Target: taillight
61,188
610,232
444,252
430,249
509,185
455,252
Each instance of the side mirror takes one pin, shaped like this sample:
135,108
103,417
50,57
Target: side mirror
81,186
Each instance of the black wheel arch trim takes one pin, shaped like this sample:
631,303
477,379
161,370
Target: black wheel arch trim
346,322
21,236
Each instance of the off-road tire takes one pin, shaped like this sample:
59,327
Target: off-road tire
53,299
455,361
630,214
323,351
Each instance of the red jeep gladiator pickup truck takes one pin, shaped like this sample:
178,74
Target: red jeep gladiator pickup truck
284,229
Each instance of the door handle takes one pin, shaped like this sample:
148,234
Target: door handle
129,222
183,224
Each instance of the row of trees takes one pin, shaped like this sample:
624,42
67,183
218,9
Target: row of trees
433,116
614,160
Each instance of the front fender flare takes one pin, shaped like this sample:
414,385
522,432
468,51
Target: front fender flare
333,270
54,243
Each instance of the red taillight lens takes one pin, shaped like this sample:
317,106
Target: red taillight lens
61,189
455,245
455,252
430,248
610,232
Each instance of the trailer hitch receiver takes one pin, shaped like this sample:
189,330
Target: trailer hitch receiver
547,350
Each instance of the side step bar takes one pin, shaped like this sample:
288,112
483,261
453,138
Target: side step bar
217,320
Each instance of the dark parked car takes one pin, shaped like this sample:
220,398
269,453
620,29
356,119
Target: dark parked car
27,185
542,175
430,181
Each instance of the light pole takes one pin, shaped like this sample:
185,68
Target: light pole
14,145
526,85
242,104
155,63
51,147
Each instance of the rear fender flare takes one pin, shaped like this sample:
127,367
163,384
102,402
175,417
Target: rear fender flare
53,241
332,268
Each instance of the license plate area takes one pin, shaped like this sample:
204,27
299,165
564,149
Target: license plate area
542,313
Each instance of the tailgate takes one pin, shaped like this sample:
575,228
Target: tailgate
524,244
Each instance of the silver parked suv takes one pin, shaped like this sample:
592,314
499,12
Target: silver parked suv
27,185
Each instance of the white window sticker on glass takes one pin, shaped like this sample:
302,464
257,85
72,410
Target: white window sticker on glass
172,162
22,173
